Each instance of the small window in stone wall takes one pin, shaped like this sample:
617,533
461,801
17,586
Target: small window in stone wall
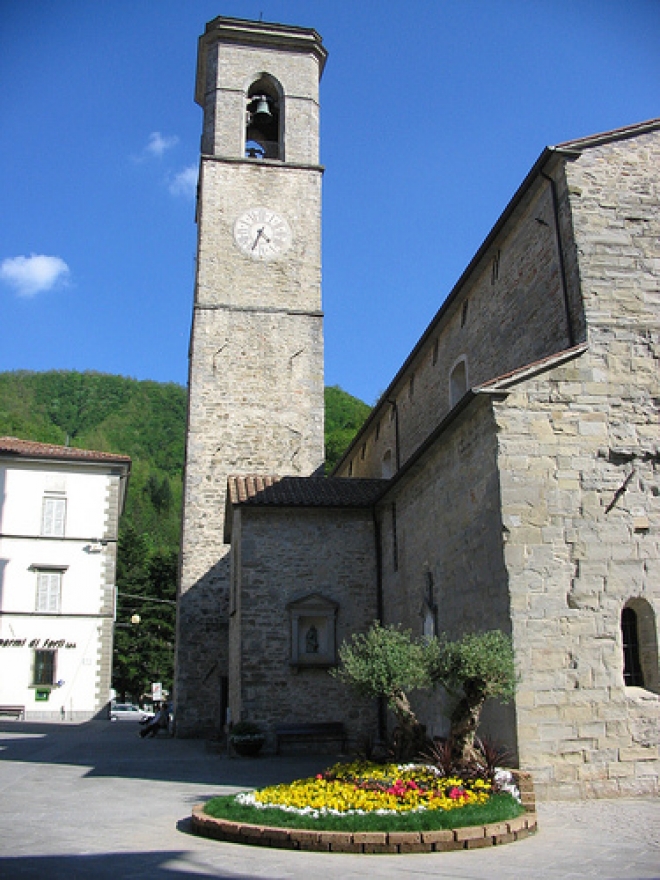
640,645
313,624
464,313
458,381
495,268
411,387
632,668
435,352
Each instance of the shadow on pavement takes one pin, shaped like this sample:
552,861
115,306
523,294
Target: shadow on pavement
155,865
104,748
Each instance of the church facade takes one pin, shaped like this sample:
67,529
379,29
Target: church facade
507,478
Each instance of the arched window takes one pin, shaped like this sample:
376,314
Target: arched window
640,645
386,468
632,668
264,117
458,381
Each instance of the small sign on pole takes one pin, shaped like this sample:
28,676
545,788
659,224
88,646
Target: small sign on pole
156,691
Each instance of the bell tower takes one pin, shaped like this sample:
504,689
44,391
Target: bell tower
256,351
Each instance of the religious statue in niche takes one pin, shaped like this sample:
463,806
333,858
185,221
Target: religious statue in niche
312,640
313,637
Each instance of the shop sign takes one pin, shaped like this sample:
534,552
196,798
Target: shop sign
43,644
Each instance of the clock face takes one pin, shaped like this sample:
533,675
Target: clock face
262,234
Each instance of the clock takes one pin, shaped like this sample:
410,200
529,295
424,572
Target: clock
262,234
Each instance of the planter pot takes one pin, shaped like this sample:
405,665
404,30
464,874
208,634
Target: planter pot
248,746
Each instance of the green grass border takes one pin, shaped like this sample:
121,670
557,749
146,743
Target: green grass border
500,808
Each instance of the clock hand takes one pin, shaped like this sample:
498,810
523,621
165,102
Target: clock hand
260,234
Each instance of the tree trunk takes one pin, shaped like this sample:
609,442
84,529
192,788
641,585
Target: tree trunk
410,735
464,723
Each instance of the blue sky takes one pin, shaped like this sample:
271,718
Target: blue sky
432,114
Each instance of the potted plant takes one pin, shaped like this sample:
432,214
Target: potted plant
246,738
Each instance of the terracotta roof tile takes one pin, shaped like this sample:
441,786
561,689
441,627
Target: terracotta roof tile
32,449
277,491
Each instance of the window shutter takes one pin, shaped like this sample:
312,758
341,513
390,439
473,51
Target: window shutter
52,521
48,591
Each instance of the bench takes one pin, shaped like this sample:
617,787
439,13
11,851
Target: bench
328,731
17,712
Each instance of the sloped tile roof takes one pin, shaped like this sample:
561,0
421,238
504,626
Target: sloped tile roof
32,449
500,383
614,134
277,491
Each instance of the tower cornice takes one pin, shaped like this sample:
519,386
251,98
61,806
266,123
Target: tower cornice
259,34
262,163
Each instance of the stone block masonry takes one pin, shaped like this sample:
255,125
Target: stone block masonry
256,355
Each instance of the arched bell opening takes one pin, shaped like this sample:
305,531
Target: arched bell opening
263,120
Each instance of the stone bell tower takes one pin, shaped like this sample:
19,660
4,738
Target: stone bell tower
256,351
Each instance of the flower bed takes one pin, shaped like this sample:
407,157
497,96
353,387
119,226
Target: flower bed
363,807
361,787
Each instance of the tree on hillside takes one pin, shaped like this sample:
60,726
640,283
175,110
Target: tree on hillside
144,650
344,416
146,420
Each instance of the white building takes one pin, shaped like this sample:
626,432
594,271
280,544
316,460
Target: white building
59,514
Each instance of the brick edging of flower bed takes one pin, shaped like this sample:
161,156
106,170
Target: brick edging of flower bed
470,837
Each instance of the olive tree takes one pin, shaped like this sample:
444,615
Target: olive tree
386,662
472,669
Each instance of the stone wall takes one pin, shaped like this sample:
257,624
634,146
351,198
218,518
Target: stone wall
256,356
614,194
583,529
448,535
578,549
509,309
286,554
226,71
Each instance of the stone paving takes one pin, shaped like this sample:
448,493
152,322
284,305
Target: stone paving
94,800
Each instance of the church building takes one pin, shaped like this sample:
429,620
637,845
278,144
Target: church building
508,477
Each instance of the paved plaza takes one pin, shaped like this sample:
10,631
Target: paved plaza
95,800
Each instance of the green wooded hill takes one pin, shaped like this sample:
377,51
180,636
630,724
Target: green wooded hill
147,421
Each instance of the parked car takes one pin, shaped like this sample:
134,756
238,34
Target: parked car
128,712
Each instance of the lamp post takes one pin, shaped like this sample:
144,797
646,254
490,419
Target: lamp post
138,659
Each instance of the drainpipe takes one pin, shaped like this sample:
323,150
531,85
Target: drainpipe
560,251
379,567
382,708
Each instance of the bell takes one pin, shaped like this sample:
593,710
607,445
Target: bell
261,114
